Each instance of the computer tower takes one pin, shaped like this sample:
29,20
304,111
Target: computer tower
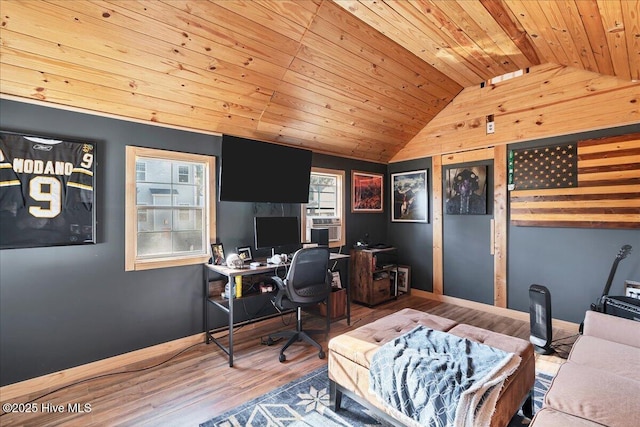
320,236
540,319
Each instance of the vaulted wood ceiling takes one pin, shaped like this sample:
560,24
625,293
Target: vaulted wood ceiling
352,78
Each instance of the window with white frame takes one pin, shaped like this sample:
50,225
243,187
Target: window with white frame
170,208
326,205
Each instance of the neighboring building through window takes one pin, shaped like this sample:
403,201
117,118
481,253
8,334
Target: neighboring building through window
326,206
184,173
170,218
141,171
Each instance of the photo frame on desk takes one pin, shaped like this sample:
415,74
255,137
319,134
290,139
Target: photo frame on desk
244,253
217,254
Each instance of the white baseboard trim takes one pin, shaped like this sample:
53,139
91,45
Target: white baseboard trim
506,312
58,379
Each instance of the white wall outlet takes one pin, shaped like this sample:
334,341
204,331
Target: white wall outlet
491,127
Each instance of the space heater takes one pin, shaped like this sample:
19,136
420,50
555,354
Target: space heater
540,319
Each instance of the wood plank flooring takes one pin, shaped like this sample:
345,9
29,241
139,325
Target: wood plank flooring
197,384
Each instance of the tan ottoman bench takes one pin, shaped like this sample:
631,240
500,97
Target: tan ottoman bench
350,357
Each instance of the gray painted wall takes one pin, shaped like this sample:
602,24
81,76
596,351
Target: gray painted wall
573,263
413,239
468,263
67,306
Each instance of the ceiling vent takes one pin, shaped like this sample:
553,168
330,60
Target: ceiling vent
505,77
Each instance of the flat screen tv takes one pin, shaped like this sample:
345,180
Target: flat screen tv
276,231
253,171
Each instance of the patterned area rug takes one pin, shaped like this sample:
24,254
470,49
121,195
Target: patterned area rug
305,403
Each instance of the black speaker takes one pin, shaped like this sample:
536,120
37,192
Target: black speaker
320,236
540,319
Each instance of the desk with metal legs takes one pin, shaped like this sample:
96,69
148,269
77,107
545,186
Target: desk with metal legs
227,305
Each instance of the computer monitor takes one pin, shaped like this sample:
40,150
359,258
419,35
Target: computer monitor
276,231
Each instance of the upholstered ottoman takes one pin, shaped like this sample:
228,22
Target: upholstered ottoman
350,356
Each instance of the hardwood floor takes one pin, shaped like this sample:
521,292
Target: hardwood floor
197,384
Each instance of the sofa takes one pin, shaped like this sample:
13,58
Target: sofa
351,353
599,384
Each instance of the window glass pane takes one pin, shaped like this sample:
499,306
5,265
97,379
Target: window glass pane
141,171
323,195
144,220
188,219
184,174
158,220
155,194
189,195
158,170
325,208
177,188
169,209
154,244
187,241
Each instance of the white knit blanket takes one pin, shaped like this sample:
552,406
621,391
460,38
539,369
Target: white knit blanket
431,378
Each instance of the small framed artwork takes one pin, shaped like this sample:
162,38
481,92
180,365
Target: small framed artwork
410,200
366,192
403,276
336,282
245,253
217,253
466,191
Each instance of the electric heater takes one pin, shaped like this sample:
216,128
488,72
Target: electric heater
540,319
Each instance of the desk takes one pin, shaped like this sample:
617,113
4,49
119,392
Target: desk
227,305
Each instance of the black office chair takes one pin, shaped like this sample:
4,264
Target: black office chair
308,282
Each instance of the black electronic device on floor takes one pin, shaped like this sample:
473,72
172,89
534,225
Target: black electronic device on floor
540,319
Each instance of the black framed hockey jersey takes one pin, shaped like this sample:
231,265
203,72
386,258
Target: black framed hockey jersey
46,191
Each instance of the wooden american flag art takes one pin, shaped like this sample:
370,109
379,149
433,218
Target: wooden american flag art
590,183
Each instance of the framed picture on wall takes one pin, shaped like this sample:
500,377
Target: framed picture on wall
409,197
366,192
466,190
47,191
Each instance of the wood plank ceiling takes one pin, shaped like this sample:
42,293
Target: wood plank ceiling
352,78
